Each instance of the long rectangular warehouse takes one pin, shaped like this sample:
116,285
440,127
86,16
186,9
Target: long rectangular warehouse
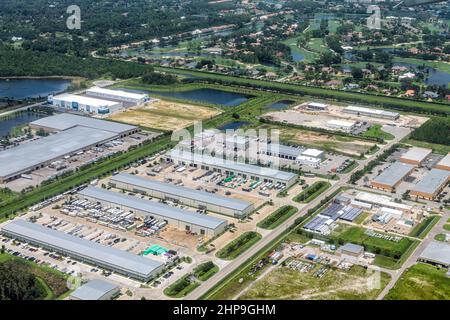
392,176
190,197
377,113
120,95
232,168
119,261
181,219
39,153
432,184
64,121
85,104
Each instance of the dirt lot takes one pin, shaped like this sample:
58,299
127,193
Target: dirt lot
322,141
318,119
165,115
284,283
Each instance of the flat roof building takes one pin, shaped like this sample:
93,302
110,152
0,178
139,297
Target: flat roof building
392,176
190,197
351,250
436,253
122,262
41,152
342,125
444,164
371,112
95,290
415,156
64,121
72,134
181,219
120,95
317,106
381,201
432,184
84,104
229,167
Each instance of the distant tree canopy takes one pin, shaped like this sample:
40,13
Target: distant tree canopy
19,62
152,77
435,130
17,284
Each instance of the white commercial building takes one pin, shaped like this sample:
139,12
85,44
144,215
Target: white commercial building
342,125
84,104
377,113
136,98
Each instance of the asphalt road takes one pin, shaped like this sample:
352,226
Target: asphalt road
211,282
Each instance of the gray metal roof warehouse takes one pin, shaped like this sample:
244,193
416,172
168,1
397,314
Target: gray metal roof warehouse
64,121
95,290
178,191
120,261
432,181
152,207
31,155
436,253
270,173
394,173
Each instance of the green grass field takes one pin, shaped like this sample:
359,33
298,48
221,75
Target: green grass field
347,233
312,192
236,247
421,282
376,132
440,237
277,217
205,270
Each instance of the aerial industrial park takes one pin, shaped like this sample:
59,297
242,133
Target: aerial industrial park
206,177
154,221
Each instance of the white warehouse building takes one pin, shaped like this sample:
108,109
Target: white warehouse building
84,104
136,98
190,197
342,125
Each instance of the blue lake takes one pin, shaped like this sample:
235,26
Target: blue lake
297,56
17,119
233,125
18,89
213,96
433,76
279,105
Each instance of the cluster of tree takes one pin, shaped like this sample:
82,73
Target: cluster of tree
152,77
19,62
435,130
17,284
